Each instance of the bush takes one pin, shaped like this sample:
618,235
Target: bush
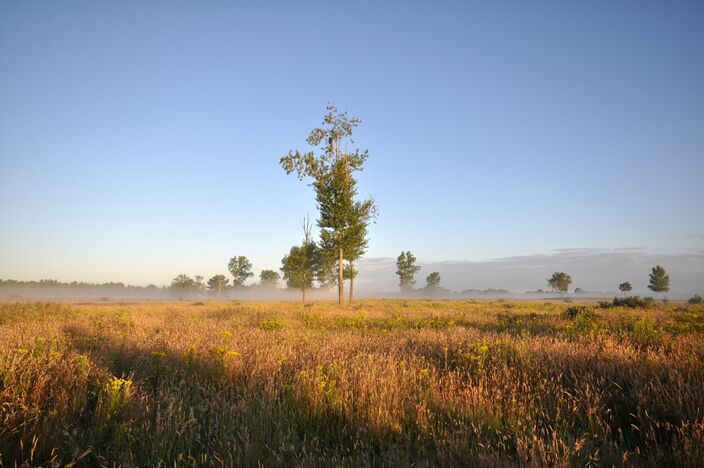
648,300
632,302
585,319
644,330
270,324
696,299
579,311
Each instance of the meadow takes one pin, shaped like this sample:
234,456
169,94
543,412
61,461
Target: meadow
382,382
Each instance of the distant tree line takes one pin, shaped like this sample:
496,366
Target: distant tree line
51,288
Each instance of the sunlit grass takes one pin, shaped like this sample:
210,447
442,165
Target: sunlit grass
375,383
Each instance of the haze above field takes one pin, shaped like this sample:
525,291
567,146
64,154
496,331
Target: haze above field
139,140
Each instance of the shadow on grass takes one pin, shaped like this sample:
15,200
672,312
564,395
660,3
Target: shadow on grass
204,408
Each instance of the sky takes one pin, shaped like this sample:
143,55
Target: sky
141,139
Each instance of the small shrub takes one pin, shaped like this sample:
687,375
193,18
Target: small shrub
585,318
644,330
631,302
576,311
271,324
696,299
648,300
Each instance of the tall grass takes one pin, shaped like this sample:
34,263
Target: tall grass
381,383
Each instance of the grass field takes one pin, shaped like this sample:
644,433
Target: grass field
376,383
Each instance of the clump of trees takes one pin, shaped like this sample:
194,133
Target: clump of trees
185,282
302,264
343,219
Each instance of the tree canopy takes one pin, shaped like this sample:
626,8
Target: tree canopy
659,280
433,281
217,283
560,282
269,278
406,269
184,282
625,287
300,265
241,270
342,220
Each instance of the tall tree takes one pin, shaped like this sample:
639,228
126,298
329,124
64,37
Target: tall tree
357,240
433,281
332,173
625,287
560,282
406,269
241,270
659,280
269,278
301,264
217,283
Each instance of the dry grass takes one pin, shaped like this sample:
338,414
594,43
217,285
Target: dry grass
379,383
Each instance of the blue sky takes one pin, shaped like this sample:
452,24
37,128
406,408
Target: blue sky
139,140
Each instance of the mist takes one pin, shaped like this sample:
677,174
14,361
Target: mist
596,272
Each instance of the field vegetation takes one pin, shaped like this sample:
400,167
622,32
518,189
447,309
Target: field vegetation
396,383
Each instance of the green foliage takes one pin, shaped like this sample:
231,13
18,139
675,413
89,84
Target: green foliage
659,280
585,319
217,283
632,302
696,299
406,269
433,281
240,269
573,312
560,282
644,330
302,263
625,287
343,221
299,266
688,322
271,324
269,278
349,272
184,283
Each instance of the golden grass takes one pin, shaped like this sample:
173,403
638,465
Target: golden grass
377,383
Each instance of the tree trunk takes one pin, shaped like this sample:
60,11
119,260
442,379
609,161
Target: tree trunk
340,278
351,281
303,295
